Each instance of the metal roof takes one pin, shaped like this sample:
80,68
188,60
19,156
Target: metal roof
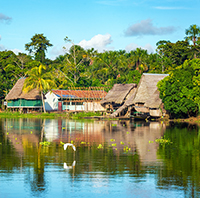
80,93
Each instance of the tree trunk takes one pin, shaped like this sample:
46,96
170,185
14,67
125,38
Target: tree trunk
43,102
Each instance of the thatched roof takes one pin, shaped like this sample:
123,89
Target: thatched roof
147,91
16,92
155,101
118,93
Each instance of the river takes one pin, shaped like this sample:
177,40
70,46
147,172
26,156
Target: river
112,159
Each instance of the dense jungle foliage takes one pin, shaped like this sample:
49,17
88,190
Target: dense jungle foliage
89,68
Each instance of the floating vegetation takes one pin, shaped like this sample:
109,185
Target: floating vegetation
126,148
151,141
83,143
163,141
100,146
45,143
114,124
112,140
127,132
114,144
121,142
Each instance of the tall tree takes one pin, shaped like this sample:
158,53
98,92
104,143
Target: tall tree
193,32
73,65
7,78
176,53
38,45
40,79
19,65
180,90
139,58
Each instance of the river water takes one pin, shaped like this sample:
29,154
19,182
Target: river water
112,159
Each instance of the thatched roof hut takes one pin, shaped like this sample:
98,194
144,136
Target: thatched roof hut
147,95
118,94
26,102
17,92
147,87
119,97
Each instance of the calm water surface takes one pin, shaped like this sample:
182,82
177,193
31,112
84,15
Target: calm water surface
112,159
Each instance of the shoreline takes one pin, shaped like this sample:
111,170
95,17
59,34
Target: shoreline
86,116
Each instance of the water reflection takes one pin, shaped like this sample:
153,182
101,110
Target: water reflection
65,166
128,155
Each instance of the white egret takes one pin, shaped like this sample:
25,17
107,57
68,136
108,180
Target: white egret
69,144
69,167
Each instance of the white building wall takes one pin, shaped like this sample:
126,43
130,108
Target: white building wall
51,101
93,106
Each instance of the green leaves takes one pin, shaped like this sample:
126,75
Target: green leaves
38,46
177,90
40,79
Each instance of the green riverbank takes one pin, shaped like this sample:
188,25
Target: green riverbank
80,115
52,115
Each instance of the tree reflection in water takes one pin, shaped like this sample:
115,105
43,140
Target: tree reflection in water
126,148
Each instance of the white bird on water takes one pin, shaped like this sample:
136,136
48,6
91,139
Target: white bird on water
69,144
69,167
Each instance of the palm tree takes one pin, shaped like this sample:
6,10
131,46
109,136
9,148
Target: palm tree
39,79
193,32
138,58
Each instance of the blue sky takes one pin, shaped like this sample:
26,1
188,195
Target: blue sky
104,25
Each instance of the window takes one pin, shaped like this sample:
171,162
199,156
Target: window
66,103
77,103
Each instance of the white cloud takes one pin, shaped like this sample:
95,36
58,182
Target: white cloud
169,8
133,46
98,42
2,48
16,51
112,3
4,18
56,51
146,27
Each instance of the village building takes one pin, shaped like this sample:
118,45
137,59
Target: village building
130,100
24,102
117,100
74,100
147,101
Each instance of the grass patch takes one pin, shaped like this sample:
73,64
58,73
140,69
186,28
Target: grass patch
32,115
52,115
82,115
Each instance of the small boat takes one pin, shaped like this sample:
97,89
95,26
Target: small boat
140,116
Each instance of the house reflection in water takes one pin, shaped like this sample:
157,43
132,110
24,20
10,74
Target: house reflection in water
22,131
72,130
137,136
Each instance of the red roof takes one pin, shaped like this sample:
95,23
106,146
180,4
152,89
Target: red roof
80,93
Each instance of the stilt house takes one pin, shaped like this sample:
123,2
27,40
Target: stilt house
116,100
18,100
147,100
